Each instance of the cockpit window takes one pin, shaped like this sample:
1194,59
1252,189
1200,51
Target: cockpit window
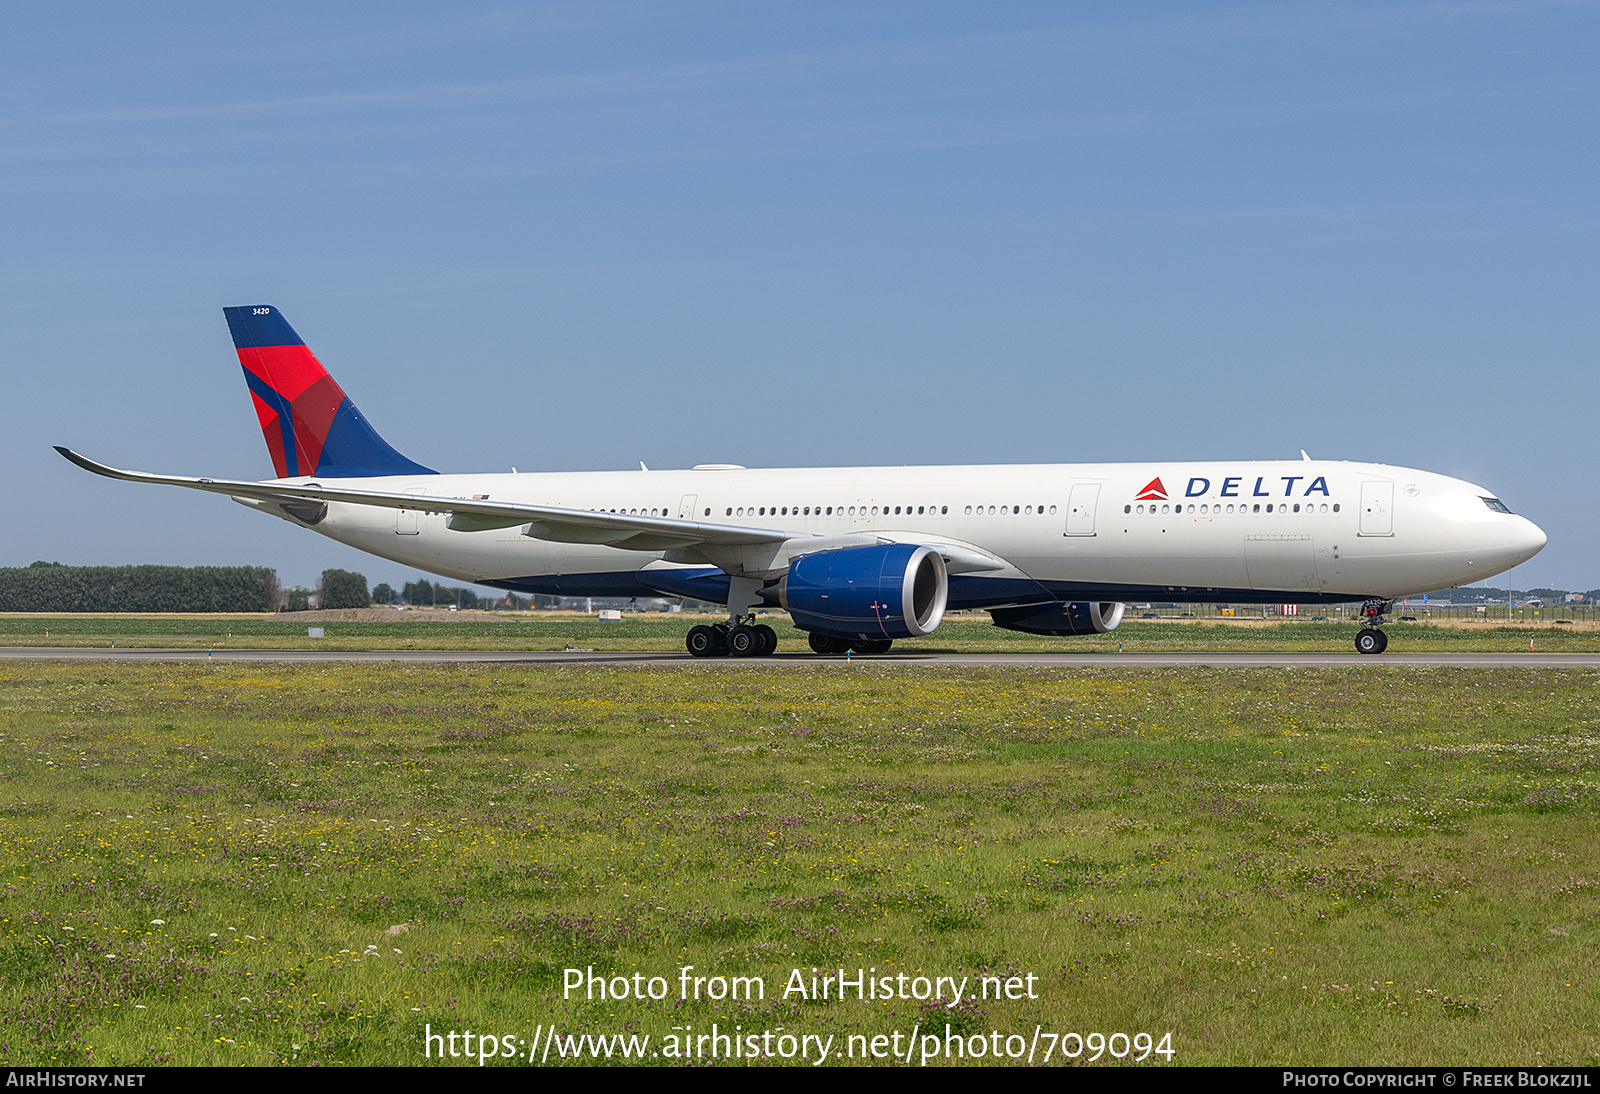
1497,505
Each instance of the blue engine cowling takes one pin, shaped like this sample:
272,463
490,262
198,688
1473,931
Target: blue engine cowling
1060,619
895,590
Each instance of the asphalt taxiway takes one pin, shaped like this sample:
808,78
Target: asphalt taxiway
909,659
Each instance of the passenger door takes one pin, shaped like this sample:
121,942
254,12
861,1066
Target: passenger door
1377,508
1080,508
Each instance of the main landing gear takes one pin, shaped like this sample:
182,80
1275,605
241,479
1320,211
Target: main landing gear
741,638
741,635
1369,639
832,644
737,637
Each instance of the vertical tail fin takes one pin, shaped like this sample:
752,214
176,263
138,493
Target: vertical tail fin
311,426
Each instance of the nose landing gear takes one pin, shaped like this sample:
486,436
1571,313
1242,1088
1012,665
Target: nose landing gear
1369,639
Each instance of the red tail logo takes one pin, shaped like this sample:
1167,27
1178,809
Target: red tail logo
1153,491
311,426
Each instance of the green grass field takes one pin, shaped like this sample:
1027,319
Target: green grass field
665,633
225,864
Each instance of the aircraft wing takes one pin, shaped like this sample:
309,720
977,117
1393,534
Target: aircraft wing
550,522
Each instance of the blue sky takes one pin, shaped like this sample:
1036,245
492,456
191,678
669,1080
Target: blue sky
575,236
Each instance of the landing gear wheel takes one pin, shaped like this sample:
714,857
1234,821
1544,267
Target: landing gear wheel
744,641
872,645
704,641
1371,640
769,640
826,643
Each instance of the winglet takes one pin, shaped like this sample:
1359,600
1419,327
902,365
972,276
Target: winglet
89,465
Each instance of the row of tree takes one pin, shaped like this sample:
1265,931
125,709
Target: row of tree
423,593
336,589
52,587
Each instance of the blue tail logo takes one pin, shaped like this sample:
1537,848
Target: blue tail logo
310,424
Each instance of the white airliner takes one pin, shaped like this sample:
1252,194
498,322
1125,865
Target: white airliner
860,556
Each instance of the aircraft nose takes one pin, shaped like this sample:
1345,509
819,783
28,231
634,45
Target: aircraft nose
1527,540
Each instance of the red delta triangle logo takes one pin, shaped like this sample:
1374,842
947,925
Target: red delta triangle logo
1153,491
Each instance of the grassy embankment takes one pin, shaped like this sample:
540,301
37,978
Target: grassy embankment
665,633
239,864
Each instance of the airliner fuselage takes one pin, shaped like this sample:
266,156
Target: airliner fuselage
1305,531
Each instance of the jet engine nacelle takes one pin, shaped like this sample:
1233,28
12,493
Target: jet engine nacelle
894,590
1060,620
